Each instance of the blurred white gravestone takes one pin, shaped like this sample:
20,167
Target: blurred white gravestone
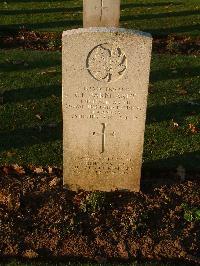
101,13
105,76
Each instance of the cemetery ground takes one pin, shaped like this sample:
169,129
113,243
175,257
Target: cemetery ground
40,218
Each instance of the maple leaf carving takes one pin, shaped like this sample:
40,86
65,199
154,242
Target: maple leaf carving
106,63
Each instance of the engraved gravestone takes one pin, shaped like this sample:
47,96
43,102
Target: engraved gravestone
101,13
105,86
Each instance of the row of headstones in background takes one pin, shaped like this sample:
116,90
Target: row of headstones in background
105,85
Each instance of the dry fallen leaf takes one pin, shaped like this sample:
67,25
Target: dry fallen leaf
50,170
182,92
13,169
38,170
18,169
30,254
122,250
38,116
193,129
54,182
4,197
175,124
13,203
10,154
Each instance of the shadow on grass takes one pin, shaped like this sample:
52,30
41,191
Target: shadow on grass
35,1
134,5
176,111
158,173
40,11
165,74
42,25
180,29
189,160
26,137
33,93
20,65
160,15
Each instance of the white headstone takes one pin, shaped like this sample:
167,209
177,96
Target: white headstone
105,87
101,13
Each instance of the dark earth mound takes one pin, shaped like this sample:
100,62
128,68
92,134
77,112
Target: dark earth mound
40,218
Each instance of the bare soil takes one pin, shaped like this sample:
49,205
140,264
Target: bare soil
39,218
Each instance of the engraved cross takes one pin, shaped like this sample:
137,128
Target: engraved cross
102,9
103,134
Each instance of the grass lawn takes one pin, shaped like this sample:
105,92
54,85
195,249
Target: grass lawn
155,16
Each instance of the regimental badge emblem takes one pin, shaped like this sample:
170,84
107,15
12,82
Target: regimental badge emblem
106,62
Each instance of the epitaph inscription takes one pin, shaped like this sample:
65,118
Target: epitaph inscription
105,85
112,166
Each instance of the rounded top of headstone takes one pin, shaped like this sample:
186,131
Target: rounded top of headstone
106,29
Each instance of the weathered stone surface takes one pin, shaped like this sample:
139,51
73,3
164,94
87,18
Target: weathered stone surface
101,13
105,86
